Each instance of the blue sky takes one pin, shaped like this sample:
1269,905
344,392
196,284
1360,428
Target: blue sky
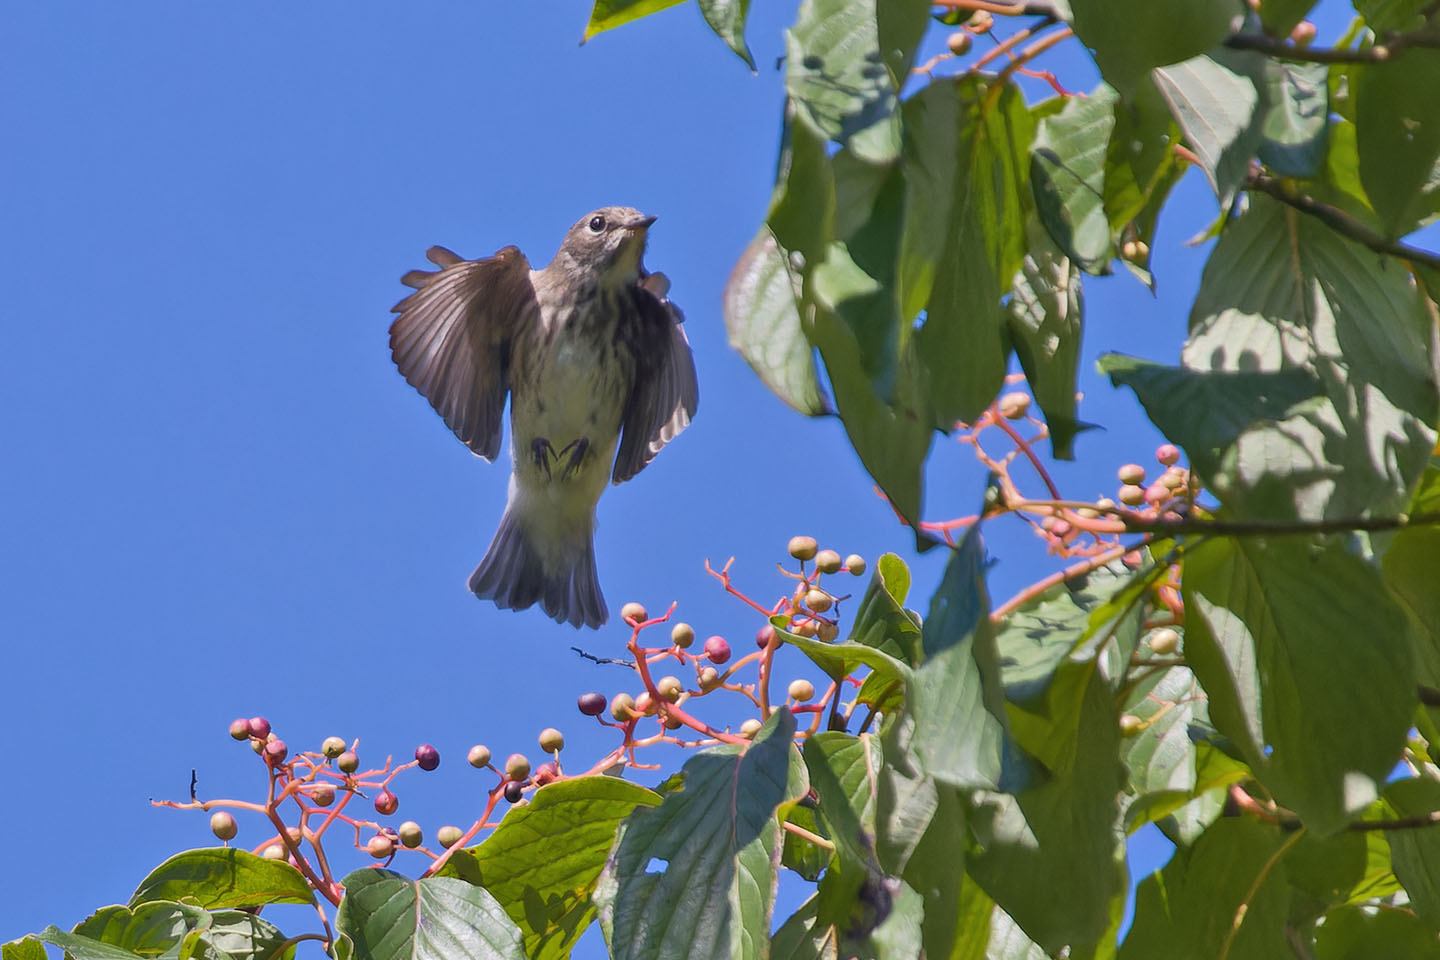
222,500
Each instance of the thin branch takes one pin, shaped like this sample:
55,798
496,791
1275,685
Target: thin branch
1244,906
804,834
590,656
1402,823
1267,528
1341,222
1035,8
1380,53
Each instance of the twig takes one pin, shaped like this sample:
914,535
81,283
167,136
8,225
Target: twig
1279,529
804,834
1339,221
590,656
1036,8
1033,51
1380,53
1244,906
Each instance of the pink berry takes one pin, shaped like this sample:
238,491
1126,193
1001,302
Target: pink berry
275,752
764,635
1167,453
240,729
427,757
386,803
717,650
259,727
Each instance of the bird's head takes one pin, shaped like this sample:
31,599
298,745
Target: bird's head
607,244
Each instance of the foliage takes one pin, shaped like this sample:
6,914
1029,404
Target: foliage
1243,651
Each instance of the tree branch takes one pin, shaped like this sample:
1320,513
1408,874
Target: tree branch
1339,221
1263,528
1395,45
1034,8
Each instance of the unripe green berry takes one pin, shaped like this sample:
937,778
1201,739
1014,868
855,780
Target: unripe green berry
709,679
1131,495
447,836
1131,473
827,631
1130,725
645,704
1164,640
410,834
348,762
517,766
479,755
670,688
551,740
959,43
682,635
801,690
240,729
633,612
380,846
818,600
332,747
1014,405
222,824
828,561
295,834
622,707
275,851
749,728
803,548
855,564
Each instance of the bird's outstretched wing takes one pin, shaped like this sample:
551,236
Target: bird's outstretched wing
452,338
666,393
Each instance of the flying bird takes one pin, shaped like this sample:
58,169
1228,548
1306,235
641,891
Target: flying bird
600,377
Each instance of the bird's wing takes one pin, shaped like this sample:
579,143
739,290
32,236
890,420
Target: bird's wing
666,393
452,338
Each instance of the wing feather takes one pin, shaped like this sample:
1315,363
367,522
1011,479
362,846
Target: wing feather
666,392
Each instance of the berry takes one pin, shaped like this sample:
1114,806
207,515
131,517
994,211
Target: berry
276,752
295,834
682,635
1131,473
827,631
1131,495
551,740
670,688
514,792
959,43
591,704
257,745
386,803
322,794
801,690
1060,528
332,747
380,847
275,851
240,729
448,836
645,704
673,723
807,627
709,679
981,21
1303,33
828,561
818,600
1104,505
855,564
633,612
259,727
223,825
1167,453
1173,479
517,766
622,708
545,773
1157,492
717,650
427,757
410,834
1130,725
1164,640
749,728
802,548
1015,405
347,762
764,635
479,755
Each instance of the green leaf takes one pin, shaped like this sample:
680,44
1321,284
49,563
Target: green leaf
1383,16
1219,101
956,921
1140,153
799,854
718,840
762,317
83,948
1411,566
843,771
881,620
1045,319
727,19
835,70
1283,291
804,937
1338,183
608,14
1362,933
1270,632
1415,854
839,660
981,220
1008,941
1161,756
1187,910
1282,16
158,926
1067,175
1128,37
223,877
1323,871
1297,122
542,863
388,916
1397,120
1058,833
24,948
957,697
906,798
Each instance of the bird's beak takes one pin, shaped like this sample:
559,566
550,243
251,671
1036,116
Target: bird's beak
642,223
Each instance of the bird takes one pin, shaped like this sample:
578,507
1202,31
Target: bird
600,377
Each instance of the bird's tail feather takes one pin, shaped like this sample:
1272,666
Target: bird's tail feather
514,575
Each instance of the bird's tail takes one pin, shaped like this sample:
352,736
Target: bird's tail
516,575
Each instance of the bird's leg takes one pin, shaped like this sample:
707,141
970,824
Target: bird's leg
541,450
577,449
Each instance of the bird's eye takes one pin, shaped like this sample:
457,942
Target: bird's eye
597,224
